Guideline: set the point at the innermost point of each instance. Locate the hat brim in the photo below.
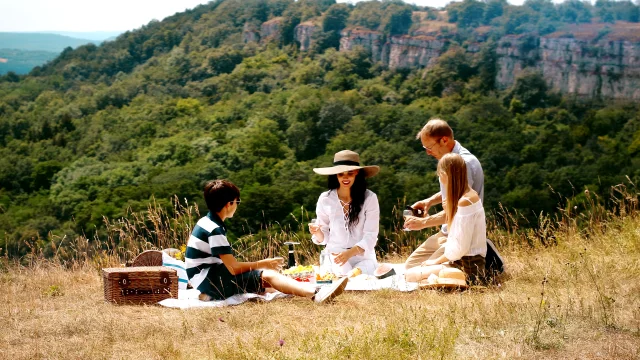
(371, 170)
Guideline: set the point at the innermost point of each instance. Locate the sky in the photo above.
(113, 15)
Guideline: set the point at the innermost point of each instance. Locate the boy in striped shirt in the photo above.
(215, 272)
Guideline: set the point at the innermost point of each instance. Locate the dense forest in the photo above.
(162, 109)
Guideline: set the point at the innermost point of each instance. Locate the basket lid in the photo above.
(138, 269)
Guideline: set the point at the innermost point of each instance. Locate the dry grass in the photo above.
(578, 297)
(589, 307)
(620, 31)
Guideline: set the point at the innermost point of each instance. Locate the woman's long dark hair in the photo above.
(358, 190)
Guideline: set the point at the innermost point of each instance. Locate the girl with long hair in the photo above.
(348, 215)
(466, 245)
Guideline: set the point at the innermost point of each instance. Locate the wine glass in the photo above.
(405, 214)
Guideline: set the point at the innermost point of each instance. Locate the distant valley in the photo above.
(21, 52)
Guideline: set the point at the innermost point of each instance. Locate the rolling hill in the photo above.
(39, 41)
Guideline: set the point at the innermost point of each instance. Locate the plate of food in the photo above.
(300, 273)
(325, 277)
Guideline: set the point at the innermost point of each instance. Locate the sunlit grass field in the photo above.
(577, 297)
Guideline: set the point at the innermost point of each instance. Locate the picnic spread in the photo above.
(156, 275)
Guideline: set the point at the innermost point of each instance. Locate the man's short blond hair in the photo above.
(436, 128)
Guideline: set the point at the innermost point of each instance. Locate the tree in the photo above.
(471, 13)
(493, 9)
(575, 11)
(530, 89)
(335, 18)
(397, 20)
(487, 66)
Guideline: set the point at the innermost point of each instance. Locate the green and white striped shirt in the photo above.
(207, 242)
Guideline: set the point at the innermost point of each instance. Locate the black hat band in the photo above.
(346, 162)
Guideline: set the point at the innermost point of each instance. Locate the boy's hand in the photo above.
(272, 263)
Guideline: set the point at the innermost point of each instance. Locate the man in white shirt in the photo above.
(437, 139)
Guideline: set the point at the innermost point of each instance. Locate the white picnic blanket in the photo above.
(188, 299)
(369, 283)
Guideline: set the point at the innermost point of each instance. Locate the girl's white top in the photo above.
(468, 233)
(333, 223)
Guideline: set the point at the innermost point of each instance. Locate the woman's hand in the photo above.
(430, 262)
(343, 257)
(275, 263)
(314, 229)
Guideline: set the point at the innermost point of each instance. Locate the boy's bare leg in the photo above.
(287, 285)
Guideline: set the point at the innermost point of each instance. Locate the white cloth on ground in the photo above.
(188, 299)
(397, 282)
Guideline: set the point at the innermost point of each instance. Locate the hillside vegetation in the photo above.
(579, 299)
(102, 131)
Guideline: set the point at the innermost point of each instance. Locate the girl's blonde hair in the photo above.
(454, 167)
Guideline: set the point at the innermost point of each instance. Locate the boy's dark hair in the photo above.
(218, 193)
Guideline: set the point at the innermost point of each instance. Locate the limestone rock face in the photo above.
(596, 64)
(414, 51)
(250, 34)
(372, 41)
(603, 68)
(398, 51)
(270, 30)
(304, 34)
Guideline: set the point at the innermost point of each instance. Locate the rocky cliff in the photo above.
(397, 51)
(372, 41)
(250, 33)
(591, 68)
(414, 51)
(304, 34)
(270, 30)
(593, 60)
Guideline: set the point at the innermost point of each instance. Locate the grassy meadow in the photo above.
(571, 291)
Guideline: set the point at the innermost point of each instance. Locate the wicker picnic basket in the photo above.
(148, 258)
(139, 285)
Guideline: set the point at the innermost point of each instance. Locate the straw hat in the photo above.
(347, 160)
(448, 278)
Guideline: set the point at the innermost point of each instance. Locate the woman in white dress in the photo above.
(466, 245)
(348, 215)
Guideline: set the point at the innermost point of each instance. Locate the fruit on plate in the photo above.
(300, 269)
(299, 273)
(325, 276)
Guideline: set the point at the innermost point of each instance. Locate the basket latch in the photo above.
(165, 280)
(124, 280)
